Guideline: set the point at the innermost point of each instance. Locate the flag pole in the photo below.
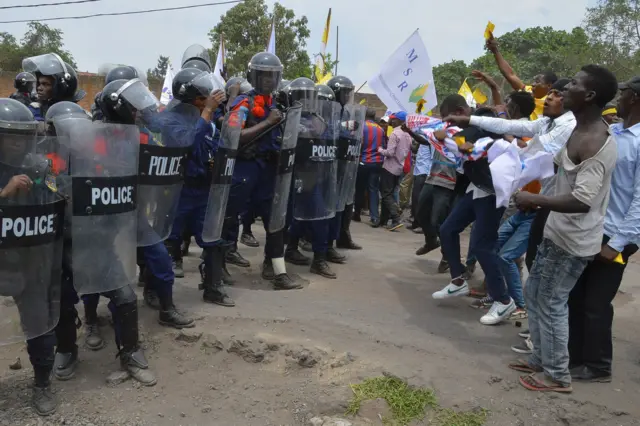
(337, 47)
(361, 86)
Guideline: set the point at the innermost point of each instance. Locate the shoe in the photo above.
(525, 348)
(375, 224)
(136, 365)
(249, 240)
(174, 318)
(93, 340)
(235, 258)
(443, 267)
(484, 303)
(321, 267)
(518, 314)
(218, 296)
(227, 279)
(295, 257)
(348, 245)
(65, 364)
(395, 225)
(586, 374)
(334, 256)
(417, 230)
(306, 246)
(267, 270)
(356, 218)
(427, 248)
(525, 334)
(452, 290)
(499, 312)
(43, 400)
(177, 269)
(284, 282)
(151, 299)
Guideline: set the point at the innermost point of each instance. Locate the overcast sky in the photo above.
(369, 30)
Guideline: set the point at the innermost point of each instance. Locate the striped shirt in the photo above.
(372, 139)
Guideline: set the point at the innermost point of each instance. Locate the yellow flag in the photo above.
(478, 96)
(465, 92)
(325, 78)
(363, 101)
(459, 140)
(488, 32)
(320, 65)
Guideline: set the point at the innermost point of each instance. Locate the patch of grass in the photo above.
(408, 403)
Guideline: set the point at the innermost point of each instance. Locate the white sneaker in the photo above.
(452, 290)
(498, 313)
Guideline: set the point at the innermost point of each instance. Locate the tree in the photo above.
(448, 77)
(38, 40)
(160, 70)
(329, 65)
(246, 29)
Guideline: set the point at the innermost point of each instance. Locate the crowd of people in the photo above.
(120, 192)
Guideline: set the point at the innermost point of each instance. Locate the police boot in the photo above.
(306, 245)
(294, 256)
(43, 400)
(66, 360)
(321, 267)
(93, 339)
(132, 357)
(334, 256)
(227, 279)
(176, 257)
(249, 240)
(214, 291)
(170, 316)
(235, 258)
(151, 297)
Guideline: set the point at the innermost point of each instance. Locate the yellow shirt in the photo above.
(537, 113)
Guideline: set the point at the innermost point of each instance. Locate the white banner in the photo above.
(406, 77)
(167, 93)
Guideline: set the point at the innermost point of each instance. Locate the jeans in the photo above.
(388, 184)
(368, 179)
(591, 312)
(418, 183)
(513, 237)
(483, 243)
(553, 276)
(434, 206)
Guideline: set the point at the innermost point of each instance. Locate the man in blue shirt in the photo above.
(590, 302)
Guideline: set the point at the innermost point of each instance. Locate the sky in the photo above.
(370, 30)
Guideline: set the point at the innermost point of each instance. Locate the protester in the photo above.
(370, 168)
(394, 157)
(590, 301)
(610, 114)
(573, 233)
(421, 171)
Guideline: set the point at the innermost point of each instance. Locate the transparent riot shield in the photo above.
(196, 51)
(31, 225)
(315, 194)
(165, 141)
(103, 166)
(222, 172)
(352, 121)
(282, 189)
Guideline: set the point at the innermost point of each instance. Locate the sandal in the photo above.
(477, 294)
(523, 366)
(532, 383)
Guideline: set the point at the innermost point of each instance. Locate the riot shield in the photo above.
(315, 171)
(352, 121)
(164, 146)
(221, 175)
(31, 225)
(196, 51)
(290, 128)
(103, 166)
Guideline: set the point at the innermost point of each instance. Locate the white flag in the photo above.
(220, 59)
(271, 47)
(406, 78)
(167, 93)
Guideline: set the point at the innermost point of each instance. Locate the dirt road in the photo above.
(281, 358)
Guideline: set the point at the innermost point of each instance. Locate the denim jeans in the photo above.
(434, 205)
(368, 180)
(513, 237)
(483, 243)
(553, 276)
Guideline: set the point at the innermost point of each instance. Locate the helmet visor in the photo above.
(196, 51)
(48, 64)
(138, 95)
(308, 97)
(15, 147)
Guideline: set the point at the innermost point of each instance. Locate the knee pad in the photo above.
(122, 296)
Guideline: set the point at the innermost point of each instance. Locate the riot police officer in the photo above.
(343, 88)
(256, 166)
(25, 88)
(114, 72)
(197, 56)
(193, 91)
(30, 265)
(56, 81)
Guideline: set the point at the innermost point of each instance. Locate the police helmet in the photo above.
(62, 110)
(245, 87)
(325, 93)
(18, 130)
(65, 79)
(305, 92)
(191, 83)
(196, 53)
(282, 97)
(265, 73)
(122, 99)
(198, 64)
(343, 89)
(283, 84)
(25, 82)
